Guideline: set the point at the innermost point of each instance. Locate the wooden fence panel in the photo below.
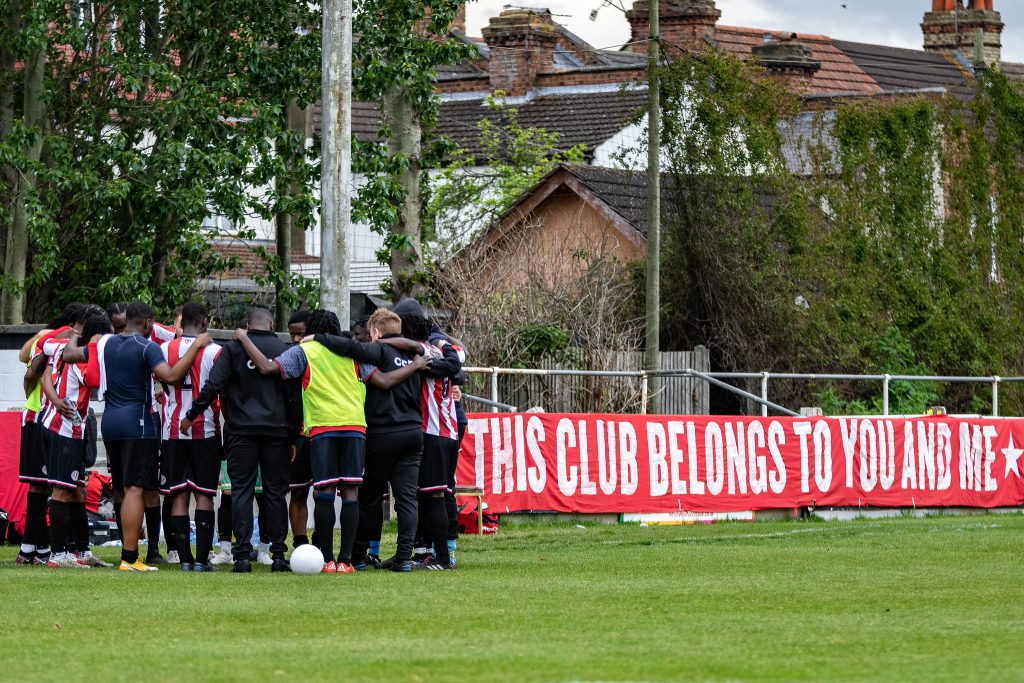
(578, 393)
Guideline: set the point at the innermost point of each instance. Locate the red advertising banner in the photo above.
(639, 463)
(12, 493)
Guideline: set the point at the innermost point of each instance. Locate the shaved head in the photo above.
(260, 318)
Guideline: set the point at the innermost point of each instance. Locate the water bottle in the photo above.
(76, 419)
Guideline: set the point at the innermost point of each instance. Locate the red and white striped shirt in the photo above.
(69, 383)
(178, 399)
(437, 404)
(161, 334)
(28, 415)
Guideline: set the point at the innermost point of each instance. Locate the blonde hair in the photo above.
(387, 322)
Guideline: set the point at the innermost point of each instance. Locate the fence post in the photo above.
(494, 389)
(885, 394)
(995, 396)
(643, 393)
(764, 393)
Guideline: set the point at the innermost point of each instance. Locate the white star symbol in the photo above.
(1011, 454)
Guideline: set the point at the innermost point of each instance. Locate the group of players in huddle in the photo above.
(350, 414)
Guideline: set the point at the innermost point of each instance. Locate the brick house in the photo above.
(590, 96)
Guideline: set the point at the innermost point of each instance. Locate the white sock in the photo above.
(27, 548)
(265, 548)
(225, 547)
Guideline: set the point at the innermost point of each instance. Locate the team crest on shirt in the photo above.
(44, 469)
(74, 476)
(163, 479)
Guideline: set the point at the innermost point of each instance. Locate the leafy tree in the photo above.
(157, 116)
(400, 44)
(899, 248)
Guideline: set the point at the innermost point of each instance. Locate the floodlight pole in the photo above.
(652, 325)
(336, 156)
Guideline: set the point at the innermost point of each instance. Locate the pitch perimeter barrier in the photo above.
(717, 378)
(604, 463)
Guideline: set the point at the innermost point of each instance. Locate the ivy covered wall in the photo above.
(897, 248)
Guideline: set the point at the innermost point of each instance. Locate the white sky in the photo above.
(884, 22)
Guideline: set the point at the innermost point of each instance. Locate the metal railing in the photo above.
(764, 377)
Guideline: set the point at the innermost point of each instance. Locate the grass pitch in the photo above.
(934, 599)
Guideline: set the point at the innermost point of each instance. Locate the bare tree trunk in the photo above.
(12, 307)
(10, 28)
(406, 134)
(164, 231)
(295, 119)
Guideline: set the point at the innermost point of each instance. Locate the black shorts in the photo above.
(438, 453)
(32, 464)
(300, 471)
(133, 462)
(190, 463)
(337, 461)
(65, 460)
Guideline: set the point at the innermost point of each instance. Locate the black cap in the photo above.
(409, 306)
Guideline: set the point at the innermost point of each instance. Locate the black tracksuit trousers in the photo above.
(246, 452)
(390, 457)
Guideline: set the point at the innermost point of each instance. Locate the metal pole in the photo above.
(885, 394)
(653, 299)
(336, 156)
(764, 394)
(643, 393)
(494, 388)
(995, 396)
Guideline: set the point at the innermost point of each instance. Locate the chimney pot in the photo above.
(950, 28)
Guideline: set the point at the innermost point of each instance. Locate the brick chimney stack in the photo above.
(685, 23)
(522, 45)
(459, 22)
(789, 62)
(953, 27)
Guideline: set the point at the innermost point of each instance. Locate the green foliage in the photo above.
(160, 116)
(475, 188)
(861, 264)
(733, 213)
(400, 45)
(895, 356)
(534, 342)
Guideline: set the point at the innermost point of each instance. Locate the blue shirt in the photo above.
(126, 382)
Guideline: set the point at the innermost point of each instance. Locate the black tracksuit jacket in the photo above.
(252, 403)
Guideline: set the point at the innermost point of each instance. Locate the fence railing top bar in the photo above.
(553, 372)
(744, 375)
(951, 378)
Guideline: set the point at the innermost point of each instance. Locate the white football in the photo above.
(306, 559)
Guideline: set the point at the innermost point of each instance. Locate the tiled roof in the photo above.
(1014, 71)
(838, 73)
(581, 118)
(625, 192)
(895, 68)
